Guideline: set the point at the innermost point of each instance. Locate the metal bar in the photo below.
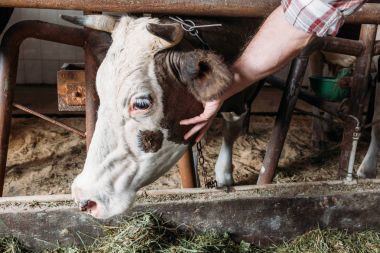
(9, 52)
(54, 122)
(92, 99)
(186, 168)
(358, 92)
(17, 33)
(342, 46)
(369, 13)
(335, 45)
(8, 73)
(280, 130)
(239, 8)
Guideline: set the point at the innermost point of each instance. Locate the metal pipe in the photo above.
(342, 46)
(54, 122)
(237, 8)
(92, 99)
(186, 168)
(368, 14)
(9, 52)
(335, 45)
(8, 73)
(20, 31)
(280, 130)
(355, 139)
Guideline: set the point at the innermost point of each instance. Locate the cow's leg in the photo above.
(368, 167)
(232, 126)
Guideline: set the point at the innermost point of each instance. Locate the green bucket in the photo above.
(328, 87)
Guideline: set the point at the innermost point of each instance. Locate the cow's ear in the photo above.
(204, 73)
(171, 33)
(98, 22)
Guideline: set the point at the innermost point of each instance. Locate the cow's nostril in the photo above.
(87, 205)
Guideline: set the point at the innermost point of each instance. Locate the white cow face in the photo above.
(144, 91)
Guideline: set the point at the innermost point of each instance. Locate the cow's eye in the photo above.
(142, 103)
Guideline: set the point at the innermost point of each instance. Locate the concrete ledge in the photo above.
(258, 214)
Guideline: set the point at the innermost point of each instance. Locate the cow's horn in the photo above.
(98, 22)
(172, 33)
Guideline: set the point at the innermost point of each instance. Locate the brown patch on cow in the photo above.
(150, 141)
(178, 102)
(204, 73)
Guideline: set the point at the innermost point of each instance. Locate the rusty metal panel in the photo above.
(71, 87)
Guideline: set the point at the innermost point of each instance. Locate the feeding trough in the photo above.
(258, 214)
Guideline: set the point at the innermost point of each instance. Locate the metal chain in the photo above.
(209, 182)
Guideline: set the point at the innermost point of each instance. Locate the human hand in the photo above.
(203, 121)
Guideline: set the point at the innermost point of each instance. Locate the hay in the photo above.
(10, 244)
(149, 233)
(331, 241)
(145, 232)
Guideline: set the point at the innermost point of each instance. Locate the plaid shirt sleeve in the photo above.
(321, 17)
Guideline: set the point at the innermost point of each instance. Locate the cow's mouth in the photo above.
(87, 206)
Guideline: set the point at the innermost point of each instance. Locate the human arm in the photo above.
(282, 36)
(275, 44)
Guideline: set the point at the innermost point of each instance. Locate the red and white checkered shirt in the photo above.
(321, 17)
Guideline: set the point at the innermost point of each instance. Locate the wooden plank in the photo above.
(259, 214)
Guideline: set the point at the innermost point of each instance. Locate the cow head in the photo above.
(146, 86)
